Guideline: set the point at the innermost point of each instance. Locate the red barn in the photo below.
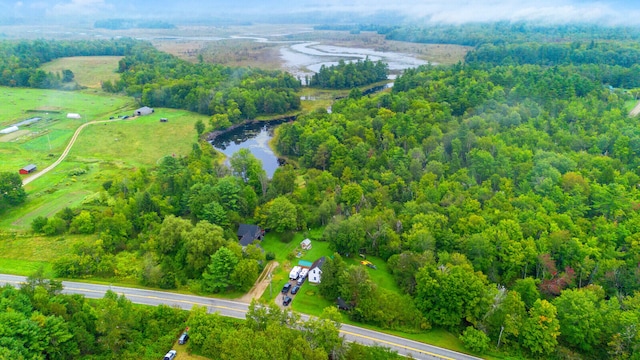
(28, 169)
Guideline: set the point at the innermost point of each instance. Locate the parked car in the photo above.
(286, 301)
(295, 289)
(301, 281)
(171, 355)
(285, 288)
(183, 338)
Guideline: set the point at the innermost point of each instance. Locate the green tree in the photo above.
(11, 191)
(541, 329)
(279, 215)
(332, 271)
(217, 277)
(201, 242)
(448, 294)
(475, 340)
(245, 274)
(199, 127)
(581, 322)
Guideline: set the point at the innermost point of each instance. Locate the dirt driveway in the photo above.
(261, 284)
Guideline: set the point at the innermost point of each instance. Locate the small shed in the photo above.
(73, 116)
(145, 110)
(305, 244)
(9, 130)
(28, 169)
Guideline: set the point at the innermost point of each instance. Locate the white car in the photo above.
(171, 355)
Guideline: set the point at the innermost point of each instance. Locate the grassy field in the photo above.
(102, 151)
(23, 254)
(89, 71)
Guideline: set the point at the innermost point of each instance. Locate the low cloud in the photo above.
(80, 8)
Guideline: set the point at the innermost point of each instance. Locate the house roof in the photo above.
(305, 241)
(247, 233)
(29, 167)
(318, 263)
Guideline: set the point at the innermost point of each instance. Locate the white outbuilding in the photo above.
(306, 244)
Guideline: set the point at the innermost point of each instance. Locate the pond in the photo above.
(255, 137)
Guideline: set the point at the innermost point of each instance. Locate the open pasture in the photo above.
(89, 71)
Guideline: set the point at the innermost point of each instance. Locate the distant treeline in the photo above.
(356, 28)
(507, 32)
(347, 75)
(234, 94)
(613, 63)
(123, 24)
(20, 60)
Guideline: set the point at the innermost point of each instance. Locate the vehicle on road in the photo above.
(171, 355)
(295, 290)
(183, 338)
(285, 288)
(286, 300)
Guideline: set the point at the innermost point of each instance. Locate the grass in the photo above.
(630, 104)
(104, 152)
(89, 71)
(22, 254)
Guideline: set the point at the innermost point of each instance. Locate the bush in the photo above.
(55, 226)
(270, 256)
(38, 224)
(475, 340)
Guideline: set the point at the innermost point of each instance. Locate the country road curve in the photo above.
(64, 154)
(238, 310)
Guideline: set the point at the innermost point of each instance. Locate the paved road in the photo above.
(36, 175)
(238, 310)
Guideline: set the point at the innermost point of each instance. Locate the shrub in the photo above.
(475, 340)
(38, 224)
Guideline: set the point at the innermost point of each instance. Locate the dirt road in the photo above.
(261, 284)
(38, 174)
(635, 111)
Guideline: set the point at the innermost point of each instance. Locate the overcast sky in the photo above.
(442, 11)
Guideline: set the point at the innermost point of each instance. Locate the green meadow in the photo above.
(88, 71)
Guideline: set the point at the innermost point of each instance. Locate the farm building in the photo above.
(28, 169)
(145, 110)
(306, 244)
(73, 116)
(248, 233)
(315, 273)
(9, 130)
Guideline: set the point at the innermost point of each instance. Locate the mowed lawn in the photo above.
(89, 71)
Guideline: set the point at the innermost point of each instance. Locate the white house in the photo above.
(315, 273)
(306, 244)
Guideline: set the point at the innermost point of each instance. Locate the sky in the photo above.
(439, 11)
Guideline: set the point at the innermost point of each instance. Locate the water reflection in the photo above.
(255, 138)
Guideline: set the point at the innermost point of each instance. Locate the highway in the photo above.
(238, 310)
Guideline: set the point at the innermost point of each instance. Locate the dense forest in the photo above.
(231, 94)
(348, 75)
(37, 321)
(502, 192)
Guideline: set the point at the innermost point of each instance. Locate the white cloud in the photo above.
(79, 8)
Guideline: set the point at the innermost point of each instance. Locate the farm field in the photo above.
(51, 134)
(89, 71)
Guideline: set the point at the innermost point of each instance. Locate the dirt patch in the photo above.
(261, 284)
(14, 135)
(635, 111)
